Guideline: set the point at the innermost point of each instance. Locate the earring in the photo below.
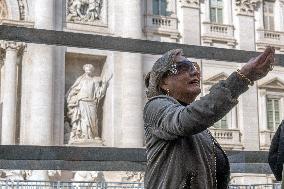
(168, 92)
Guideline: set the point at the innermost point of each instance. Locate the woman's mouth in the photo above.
(194, 82)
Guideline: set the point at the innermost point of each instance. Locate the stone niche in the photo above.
(73, 70)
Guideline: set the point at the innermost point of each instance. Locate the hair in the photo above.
(90, 66)
(159, 72)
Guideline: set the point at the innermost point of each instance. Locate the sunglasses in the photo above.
(182, 67)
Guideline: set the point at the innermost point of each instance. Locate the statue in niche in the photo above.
(82, 106)
(21, 9)
(84, 10)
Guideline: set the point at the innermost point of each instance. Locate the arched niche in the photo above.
(14, 11)
(3, 10)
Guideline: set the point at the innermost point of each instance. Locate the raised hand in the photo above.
(258, 67)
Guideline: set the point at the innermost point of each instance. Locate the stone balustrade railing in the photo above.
(162, 22)
(164, 25)
(228, 138)
(218, 32)
(267, 37)
(265, 139)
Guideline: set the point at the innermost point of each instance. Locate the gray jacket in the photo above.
(180, 151)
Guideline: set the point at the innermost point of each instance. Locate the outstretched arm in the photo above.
(165, 118)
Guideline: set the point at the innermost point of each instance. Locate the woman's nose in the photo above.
(195, 72)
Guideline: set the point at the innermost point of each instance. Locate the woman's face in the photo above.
(184, 85)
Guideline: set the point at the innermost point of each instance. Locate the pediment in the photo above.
(216, 78)
(274, 83)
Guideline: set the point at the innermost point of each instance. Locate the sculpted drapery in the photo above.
(84, 10)
(82, 103)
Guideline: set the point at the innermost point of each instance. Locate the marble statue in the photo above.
(133, 177)
(13, 175)
(94, 10)
(84, 10)
(82, 106)
(21, 9)
(74, 10)
(84, 176)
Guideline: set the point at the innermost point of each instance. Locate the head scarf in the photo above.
(160, 67)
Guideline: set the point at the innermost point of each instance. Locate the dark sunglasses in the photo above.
(183, 66)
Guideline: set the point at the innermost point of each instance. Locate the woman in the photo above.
(181, 152)
(276, 153)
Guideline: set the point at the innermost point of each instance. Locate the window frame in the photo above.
(267, 15)
(160, 11)
(274, 123)
(217, 5)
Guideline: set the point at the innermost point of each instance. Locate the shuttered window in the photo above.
(268, 16)
(216, 11)
(160, 7)
(273, 113)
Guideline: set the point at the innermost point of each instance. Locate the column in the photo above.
(262, 109)
(132, 79)
(249, 123)
(234, 118)
(228, 12)
(39, 126)
(245, 17)
(279, 15)
(40, 131)
(189, 27)
(10, 94)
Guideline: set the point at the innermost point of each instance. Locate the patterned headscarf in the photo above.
(160, 67)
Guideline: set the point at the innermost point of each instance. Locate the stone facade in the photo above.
(35, 78)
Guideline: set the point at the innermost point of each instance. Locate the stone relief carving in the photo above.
(21, 9)
(87, 176)
(190, 3)
(82, 106)
(84, 11)
(13, 175)
(133, 177)
(246, 6)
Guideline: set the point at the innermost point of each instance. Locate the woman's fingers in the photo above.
(261, 58)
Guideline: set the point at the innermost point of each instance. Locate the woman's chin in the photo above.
(194, 91)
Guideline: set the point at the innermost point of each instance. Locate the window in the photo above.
(221, 124)
(216, 11)
(160, 7)
(273, 113)
(268, 15)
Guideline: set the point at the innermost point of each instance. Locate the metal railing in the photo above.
(256, 186)
(69, 185)
(104, 185)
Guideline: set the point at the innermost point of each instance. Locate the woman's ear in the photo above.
(164, 84)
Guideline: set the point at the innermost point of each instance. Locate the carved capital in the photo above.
(246, 7)
(11, 45)
(189, 3)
